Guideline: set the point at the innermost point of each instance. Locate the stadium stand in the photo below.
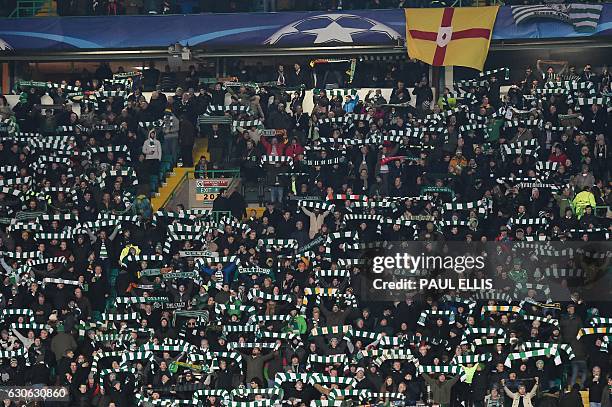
(117, 289)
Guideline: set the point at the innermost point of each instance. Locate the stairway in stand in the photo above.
(174, 178)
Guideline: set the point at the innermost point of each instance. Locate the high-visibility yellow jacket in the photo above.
(581, 201)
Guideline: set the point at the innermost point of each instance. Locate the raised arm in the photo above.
(534, 389)
(269, 356)
(306, 211)
(19, 336)
(322, 389)
(324, 310)
(264, 142)
(428, 379)
(5, 266)
(91, 234)
(454, 380)
(507, 390)
(115, 231)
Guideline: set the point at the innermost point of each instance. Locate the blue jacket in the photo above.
(350, 106)
(228, 271)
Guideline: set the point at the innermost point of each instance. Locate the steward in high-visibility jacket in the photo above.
(582, 200)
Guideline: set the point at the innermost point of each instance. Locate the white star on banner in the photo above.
(334, 32)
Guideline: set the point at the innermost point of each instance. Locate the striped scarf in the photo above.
(342, 273)
(545, 320)
(491, 295)
(323, 206)
(32, 326)
(491, 341)
(396, 354)
(9, 354)
(472, 359)
(103, 250)
(254, 270)
(276, 159)
(330, 330)
(256, 293)
(605, 330)
(257, 319)
(453, 370)
(130, 316)
(565, 347)
(328, 161)
(429, 313)
(250, 345)
(533, 353)
(341, 359)
(60, 281)
(279, 243)
(500, 308)
(219, 109)
(240, 328)
(482, 332)
(232, 308)
(595, 321)
(246, 123)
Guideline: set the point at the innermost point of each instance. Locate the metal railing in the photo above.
(229, 173)
(29, 8)
(172, 194)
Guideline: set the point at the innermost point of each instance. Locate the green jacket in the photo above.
(299, 324)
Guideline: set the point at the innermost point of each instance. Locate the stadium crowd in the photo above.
(127, 306)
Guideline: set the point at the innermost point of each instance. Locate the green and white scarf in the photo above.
(472, 359)
(327, 360)
(126, 317)
(429, 313)
(565, 347)
(331, 330)
(257, 319)
(533, 353)
(139, 300)
(256, 293)
(545, 320)
(60, 281)
(482, 332)
(396, 354)
(453, 370)
(595, 321)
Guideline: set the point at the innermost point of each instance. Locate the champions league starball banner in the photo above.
(256, 30)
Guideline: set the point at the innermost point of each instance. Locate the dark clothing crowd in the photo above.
(127, 305)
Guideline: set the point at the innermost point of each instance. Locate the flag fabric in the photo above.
(549, 11)
(584, 17)
(450, 36)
